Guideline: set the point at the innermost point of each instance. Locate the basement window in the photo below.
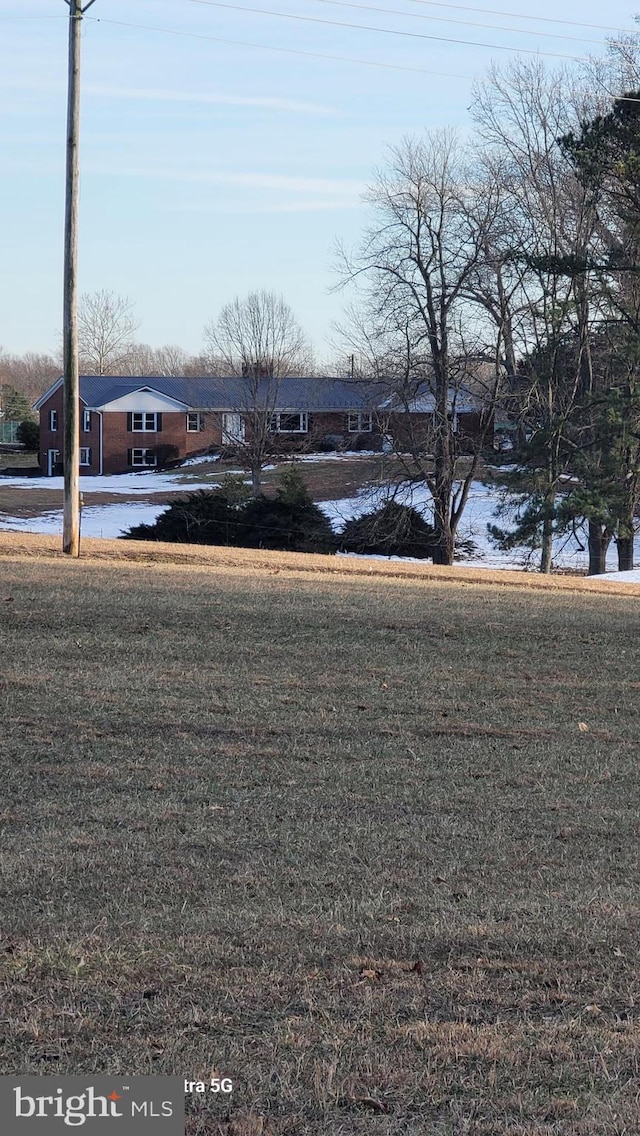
(85, 455)
(143, 458)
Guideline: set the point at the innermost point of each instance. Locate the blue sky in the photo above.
(211, 168)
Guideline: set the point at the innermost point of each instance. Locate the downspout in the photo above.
(101, 439)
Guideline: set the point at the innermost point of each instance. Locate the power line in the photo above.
(281, 50)
(454, 20)
(311, 54)
(304, 54)
(383, 31)
(515, 15)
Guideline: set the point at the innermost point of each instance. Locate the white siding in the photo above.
(150, 401)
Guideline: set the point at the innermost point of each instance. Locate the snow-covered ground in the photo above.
(570, 551)
(113, 520)
(144, 482)
(104, 520)
(621, 577)
(97, 520)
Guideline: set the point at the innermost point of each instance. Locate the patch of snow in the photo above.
(631, 577)
(337, 455)
(570, 551)
(200, 460)
(96, 520)
(145, 482)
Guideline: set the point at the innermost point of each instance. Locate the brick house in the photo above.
(129, 423)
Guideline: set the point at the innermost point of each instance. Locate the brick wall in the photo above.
(174, 441)
(470, 428)
(54, 439)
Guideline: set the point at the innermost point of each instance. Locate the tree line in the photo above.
(258, 326)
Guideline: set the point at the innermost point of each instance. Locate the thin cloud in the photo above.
(233, 207)
(278, 182)
(264, 102)
(158, 94)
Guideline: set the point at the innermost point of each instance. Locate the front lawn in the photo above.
(367, 847)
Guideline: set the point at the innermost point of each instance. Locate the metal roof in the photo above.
(233, 393)
(423, 400)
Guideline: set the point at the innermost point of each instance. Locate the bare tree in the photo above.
(257, 339)
(258, 334)
(537, 284)
(168, 360)
(416, 264)
(106, 329)
(30, 374)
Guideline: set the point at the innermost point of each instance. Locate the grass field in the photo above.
(366, 845)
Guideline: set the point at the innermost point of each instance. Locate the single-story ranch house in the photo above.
(129, 423)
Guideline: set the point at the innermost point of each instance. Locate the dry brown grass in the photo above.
(339, 837)
(19, 545)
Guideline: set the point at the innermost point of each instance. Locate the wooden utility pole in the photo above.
(71, 448)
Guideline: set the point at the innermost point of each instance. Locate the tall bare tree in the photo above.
(168, 360)
(415, 266)
(539, 285)
(259, 340)
(258, 333)
(106, 330)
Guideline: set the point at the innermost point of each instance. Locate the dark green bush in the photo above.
(290, 527)
(292, 489)
(28, 433)
(392, 530)
(290, 522)
(204, 517)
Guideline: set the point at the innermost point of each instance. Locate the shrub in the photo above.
(204, 517)
(287, 526)
(167, 455)
(28, 433)
(392, 530)
(224, 516)
(234, 487)
(292, 488)
(291, 522)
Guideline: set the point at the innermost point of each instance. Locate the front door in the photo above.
(54, 465)
(232, 429)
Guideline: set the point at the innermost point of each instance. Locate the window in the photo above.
(86, 421)
(142, 457)
(195, 422)
(53, 419)
(85, 455)
(290, 423)
(359, 422)
(142, 422)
